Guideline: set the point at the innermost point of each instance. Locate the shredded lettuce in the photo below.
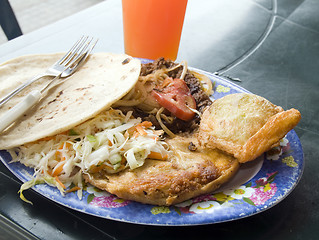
(39, 180)
(110, 142)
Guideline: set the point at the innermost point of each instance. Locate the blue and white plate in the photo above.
(257, 186)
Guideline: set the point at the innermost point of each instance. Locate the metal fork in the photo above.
(61, 67)
(72, 61)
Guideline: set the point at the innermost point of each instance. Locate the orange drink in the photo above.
(152, 28)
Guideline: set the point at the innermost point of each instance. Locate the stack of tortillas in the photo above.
(102, 80)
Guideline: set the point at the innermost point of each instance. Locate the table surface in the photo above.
(271, 46)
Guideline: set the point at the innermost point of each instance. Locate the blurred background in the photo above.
(34, 14)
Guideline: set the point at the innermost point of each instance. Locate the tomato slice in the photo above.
(176, 98)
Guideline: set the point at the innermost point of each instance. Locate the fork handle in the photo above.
(18, 110)
(19, 89)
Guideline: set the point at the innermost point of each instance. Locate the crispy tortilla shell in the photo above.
(185, 175)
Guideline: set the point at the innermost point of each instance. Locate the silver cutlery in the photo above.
(61, 67)
(66, 66)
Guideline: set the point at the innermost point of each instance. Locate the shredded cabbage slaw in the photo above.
(110, 142)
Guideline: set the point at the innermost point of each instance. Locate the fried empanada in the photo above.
(186, 174)
(245, 125)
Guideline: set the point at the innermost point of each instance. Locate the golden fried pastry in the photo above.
(184, 175)
(245, 125)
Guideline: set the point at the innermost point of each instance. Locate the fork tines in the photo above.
(80, 48)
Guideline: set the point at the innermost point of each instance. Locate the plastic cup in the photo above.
(152, 28)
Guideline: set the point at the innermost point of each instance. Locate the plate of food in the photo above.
(150, 142)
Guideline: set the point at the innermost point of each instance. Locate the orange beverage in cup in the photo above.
(152, 28)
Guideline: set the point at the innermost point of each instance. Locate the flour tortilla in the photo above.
(101, 81)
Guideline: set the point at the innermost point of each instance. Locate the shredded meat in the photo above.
(201, 98)
(160, 63)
